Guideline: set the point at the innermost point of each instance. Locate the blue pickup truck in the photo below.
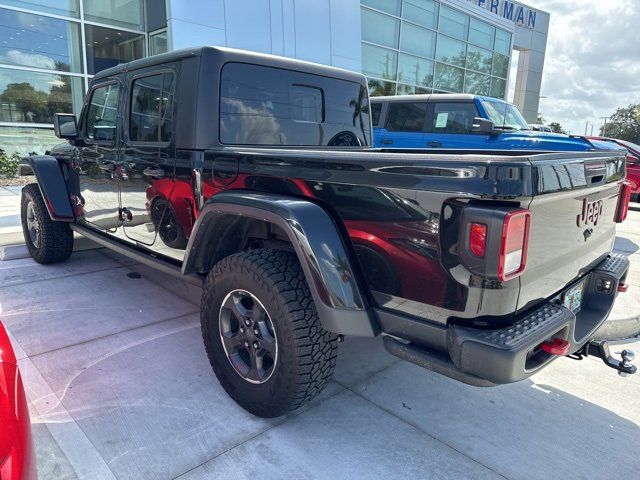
(463, 121)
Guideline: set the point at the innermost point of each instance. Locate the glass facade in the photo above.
(423, 46)
(50, 50)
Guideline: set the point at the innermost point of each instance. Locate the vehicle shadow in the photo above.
(625, 246)
(564, 422)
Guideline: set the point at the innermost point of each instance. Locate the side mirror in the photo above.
(632, 159)
(65, 126)
(482, 125)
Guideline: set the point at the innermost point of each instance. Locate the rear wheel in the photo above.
(48, 241)
(262, 333)
(635, 197)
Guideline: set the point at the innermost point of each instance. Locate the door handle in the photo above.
(153, 172)
(386, 141)
(434, 144)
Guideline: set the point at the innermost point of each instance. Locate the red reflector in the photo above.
(514, 244)
(478, 239)
(557, 346)
(623, 287)
(623, 202)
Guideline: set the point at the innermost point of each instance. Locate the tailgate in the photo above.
(572, 220)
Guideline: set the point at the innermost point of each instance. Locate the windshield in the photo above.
(504, 115)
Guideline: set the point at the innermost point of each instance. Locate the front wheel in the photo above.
(48, 241)
(262, 333)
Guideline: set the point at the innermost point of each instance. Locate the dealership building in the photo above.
(50, 49)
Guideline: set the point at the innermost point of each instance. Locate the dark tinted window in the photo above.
(376, 110)
(406, 117)
(271, 106)
(101, 115)
(151, 108)
(453, 117)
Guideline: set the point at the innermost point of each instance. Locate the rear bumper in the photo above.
(484, 357)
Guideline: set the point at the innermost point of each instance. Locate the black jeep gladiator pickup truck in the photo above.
(252, 175)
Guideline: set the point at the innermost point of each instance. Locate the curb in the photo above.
(17, 251)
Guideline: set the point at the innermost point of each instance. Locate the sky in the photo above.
(592, 64)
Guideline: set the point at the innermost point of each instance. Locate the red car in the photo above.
(17, 459)
(633, 165)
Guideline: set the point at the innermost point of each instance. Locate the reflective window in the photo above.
(481, 34)
(123, 13)
(158, 42)
(376, 110)
(379, 28)
(500, 65)
(33, 97)
(389, 6)
(453, 22)
(417, 40)
(498, 87)
(306, 104)
(451, 51)
(406, 117)
(453, 117)
(27, 140)
(379, 88)
(503, 42)
(102, 114)
(66, 8)
(379, 62)
(264, 106)
(477, 83)
(107, 47)
(448, 78)
(415, 70)
(38, 41)
(479, 59)
(412, 90)
(151, 108)
(422, 12)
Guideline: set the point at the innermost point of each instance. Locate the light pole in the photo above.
(604, 127)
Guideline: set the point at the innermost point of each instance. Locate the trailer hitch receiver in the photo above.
(600, 348)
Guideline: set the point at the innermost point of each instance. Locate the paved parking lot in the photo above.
(120, 387)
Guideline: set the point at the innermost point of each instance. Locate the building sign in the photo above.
(517, 13)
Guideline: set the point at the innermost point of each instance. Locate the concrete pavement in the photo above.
(120, 387)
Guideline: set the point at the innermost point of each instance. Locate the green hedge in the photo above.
(9, 164)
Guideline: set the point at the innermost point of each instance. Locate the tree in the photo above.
(557, 128)
(624, 124)
(30, 102)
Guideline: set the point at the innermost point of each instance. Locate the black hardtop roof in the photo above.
(223, 55)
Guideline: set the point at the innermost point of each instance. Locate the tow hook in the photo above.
(600, 348)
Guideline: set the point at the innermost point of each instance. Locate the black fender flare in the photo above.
(328, 262)
(52, 186)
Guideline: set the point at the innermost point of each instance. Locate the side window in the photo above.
(453, 117)
(271, 106)
(376, 110)
(151, 108)
(406, 117)
(102, 114)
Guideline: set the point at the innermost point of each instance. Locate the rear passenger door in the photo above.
(450, 126)
(404, 126)
(148, 159)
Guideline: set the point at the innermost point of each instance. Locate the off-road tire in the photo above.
(56, 238)
(306, 352)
